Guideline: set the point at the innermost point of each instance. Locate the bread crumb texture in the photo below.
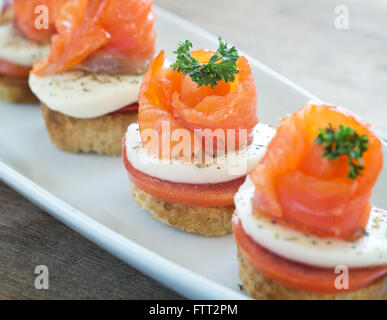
(102, 135)
(16, 90)
(207, 221)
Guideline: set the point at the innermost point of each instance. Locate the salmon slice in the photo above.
(27, 17)
(111, 36)
(295, 186)
(167, 96)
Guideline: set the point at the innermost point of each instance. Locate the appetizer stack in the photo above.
(303, 215)
(181, 109)
(297, 198)
(22, 44)
(89, 83)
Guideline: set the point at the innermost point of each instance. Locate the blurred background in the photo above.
(341, 62)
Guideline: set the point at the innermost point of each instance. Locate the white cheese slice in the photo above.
(81, 94)
(370, 250)
(19, 50)
(221, 169)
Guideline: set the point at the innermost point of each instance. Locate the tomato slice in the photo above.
(205, 195)
(298, 275)
(128, 109)
(14, 70)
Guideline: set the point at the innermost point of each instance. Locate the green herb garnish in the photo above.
(344, 141)
(222, 65)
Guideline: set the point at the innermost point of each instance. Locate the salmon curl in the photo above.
(203, 112)
(298, 187)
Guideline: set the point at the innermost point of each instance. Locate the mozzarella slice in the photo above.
(370, 250)
(221, 169)
(81, 94)
(17, 49)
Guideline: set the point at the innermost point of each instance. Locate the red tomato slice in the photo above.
(13, 70)
(128, 109)
(298, 275)
(205, 195)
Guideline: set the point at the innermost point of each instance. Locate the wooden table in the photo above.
(78, 269)
(297, 39)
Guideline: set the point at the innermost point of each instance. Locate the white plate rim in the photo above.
(172, 275)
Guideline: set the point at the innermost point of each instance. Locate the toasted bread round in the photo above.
(261, 287)
(16, 90)
(102, 135)
(207, 221)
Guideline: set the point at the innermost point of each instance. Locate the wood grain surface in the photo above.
(78, 269)
(295, 38)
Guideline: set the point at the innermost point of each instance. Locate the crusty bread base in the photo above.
(207, 221)
(260, 287)
(16, 90)
(102, 135)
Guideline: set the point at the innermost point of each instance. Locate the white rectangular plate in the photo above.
(91, 193)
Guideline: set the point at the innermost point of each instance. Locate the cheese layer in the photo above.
(370, 250)
(223, 168)
(81, 94)
(19, 50)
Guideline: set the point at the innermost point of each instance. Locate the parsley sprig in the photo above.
(222, 65)
(344, 141)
